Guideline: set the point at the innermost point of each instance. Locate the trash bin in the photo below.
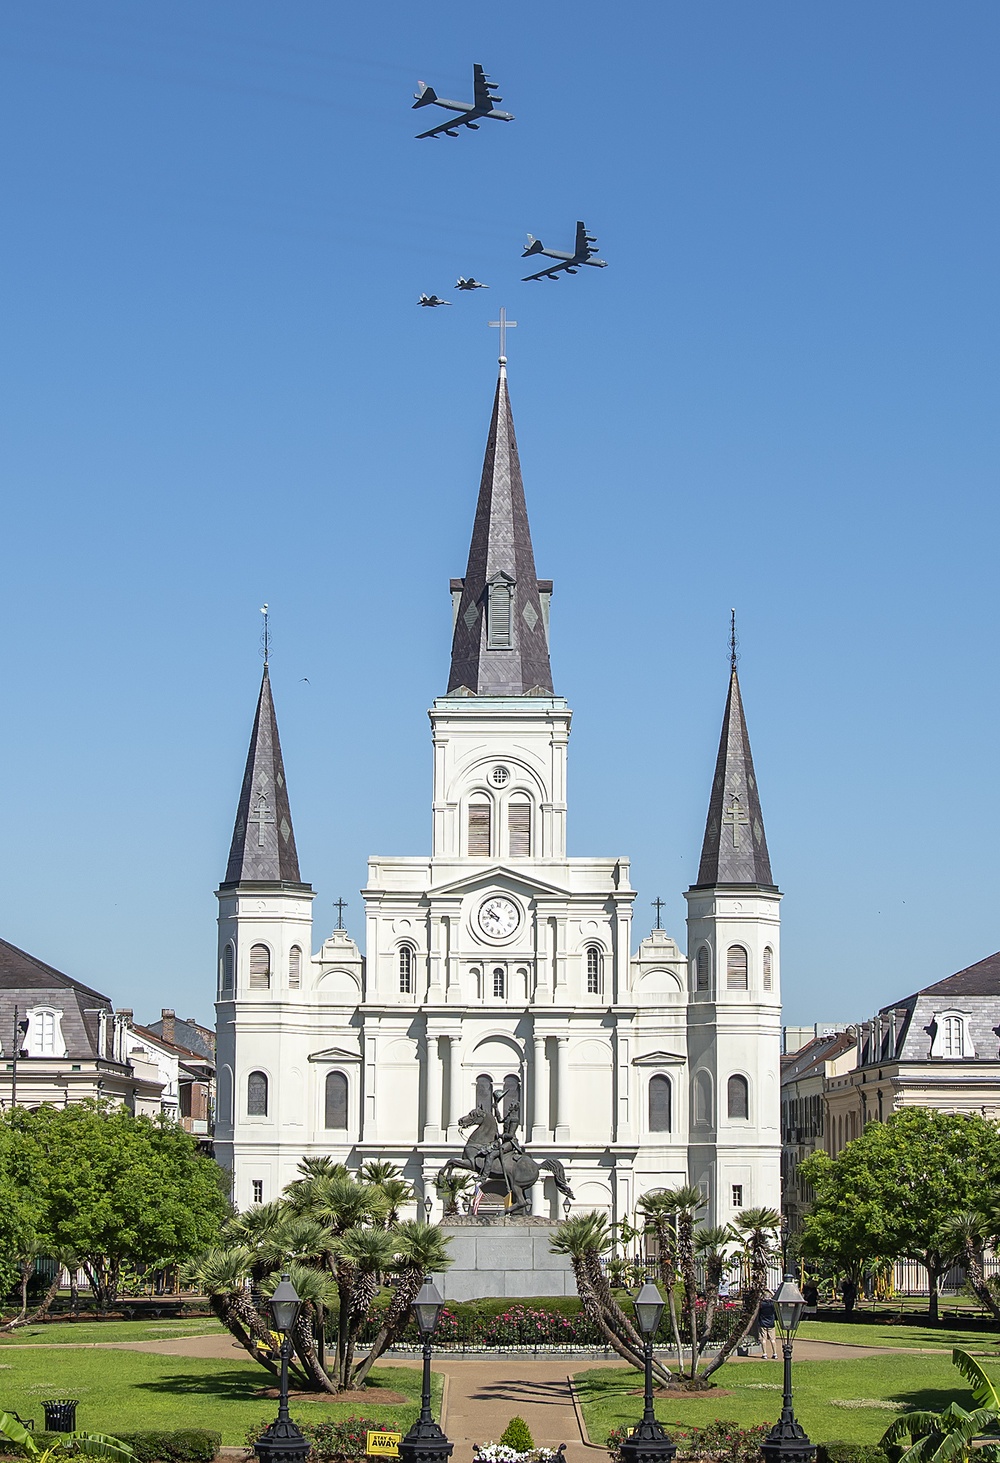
(60, 1415)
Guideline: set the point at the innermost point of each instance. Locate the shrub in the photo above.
(159, 1445)
(850, 1453)
(343, 1441)
(720, 1441)
(517, 1434)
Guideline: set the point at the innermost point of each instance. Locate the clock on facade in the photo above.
(498, 917)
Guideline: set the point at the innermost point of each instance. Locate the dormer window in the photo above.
(950, 1036)
(44, 1038)
(500, 614)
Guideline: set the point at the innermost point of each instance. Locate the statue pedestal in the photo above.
(503, 1257)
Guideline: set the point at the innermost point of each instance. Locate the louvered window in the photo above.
(768, 968)
(260, 968)
(500, 617)
(659, 1104)
(519, 828)
(257, 1095)
(336, 1101)
(294, 968)
(594, 981)
(703, 978)
(736, 968)
(479, 830)
(406, 971)
(738, 1097)
(228, 966)
(499, 982)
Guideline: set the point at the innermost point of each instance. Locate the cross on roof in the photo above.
(503, 325)
(340, 905)
(658, 905)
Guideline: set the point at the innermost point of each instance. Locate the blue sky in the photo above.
(217, 390)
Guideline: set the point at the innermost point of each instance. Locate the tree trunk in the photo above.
(233, 1316)
(973, 1262)
(933, 1278)
(595, 1312)
(304, 1342)
(397, 1314)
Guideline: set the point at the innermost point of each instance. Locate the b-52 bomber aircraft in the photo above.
(432, 301)
(482, 105)
(583, 253)
(471, 284)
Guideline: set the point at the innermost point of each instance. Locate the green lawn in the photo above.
(969, 1335)
(53, 1333)
(126, 1390)
(755, 1396)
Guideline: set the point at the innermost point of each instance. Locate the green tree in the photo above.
(116, 1190)
(894, 1191)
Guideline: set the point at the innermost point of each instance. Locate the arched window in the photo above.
(257, 1095)
(519, 828)
(500, 620)
(294, 968)
(406, 970)
(703, 1100)
(768, 967)
(336, 1101)
(499, 982)
(228, 967)
(511, 1097)
(738, 1097)
(260, 968)
(480, 811)
(952, 1043)
(484, 1093)
(736, 968)
(659, 1104)
(477, 976)
(595, 983)
(703, 976)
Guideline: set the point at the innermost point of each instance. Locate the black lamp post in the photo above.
(648, 1442)
(425, 1442)
(282, 1442)
(787, 1441)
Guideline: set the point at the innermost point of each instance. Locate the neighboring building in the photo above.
(187, 1077)
(938, 1048)
(61, 1042)
(194, 1049)
(496, 960)
(805, 1073)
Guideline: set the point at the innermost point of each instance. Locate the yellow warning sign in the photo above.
(383, 1445)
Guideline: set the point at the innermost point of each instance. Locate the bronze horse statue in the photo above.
(500, 1164)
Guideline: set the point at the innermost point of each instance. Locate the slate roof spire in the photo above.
(263, 847)
(500, 645)
(735, 848)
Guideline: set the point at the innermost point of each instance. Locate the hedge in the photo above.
(152, 1445)
(850, 1453)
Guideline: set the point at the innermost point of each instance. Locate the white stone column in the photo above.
(562, 1089)
(540, 1131)
(448, 1075)
(432, 1118)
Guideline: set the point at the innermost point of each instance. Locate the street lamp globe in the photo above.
(284, 1305)
(649, 1306)
(789, 1303)
(427, 1307)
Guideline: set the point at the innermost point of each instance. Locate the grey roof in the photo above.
(735, 849)
(189, 1035)
(810, 1060)
(26, 982)
(263, 847)
(501, 552)
(981, 979)
(903, 1030)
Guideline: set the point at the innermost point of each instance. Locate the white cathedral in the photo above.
(496, 961)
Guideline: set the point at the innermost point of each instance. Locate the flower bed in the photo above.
(343, 1441)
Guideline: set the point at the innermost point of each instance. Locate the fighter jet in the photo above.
(471, 284)
(482, 105)
(432, 301)
(582, 254)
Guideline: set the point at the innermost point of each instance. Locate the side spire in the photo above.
(735, 848)
(263, 847)
(500, 645)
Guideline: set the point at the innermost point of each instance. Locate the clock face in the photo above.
(498, 917)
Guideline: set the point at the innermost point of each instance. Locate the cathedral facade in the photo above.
(497, 962)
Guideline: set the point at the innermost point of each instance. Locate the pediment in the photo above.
(660, 1059)
(492, 875)
(335, 1054)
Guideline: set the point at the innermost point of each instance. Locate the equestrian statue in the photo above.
(495, 1156)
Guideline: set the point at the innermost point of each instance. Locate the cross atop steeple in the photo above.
(503, 325)
(263, 847)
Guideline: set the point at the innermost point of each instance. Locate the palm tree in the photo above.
(398, 1194)
(378, 1171)
(712, 1246)
(966, 1236)
(449, 1187)
(368, 1253)
(316, 1292)
(584, 1238)
(224, 1276)
(756, 1230)
(420, 1250)
(660, 1215)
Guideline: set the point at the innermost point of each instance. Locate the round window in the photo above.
(499, 777)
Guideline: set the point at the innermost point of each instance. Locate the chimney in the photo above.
(167, 1023)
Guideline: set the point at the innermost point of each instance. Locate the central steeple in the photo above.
(500, 645)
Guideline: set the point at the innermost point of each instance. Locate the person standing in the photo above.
(765, 1329)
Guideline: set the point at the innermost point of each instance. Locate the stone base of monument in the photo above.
(503, 1257)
